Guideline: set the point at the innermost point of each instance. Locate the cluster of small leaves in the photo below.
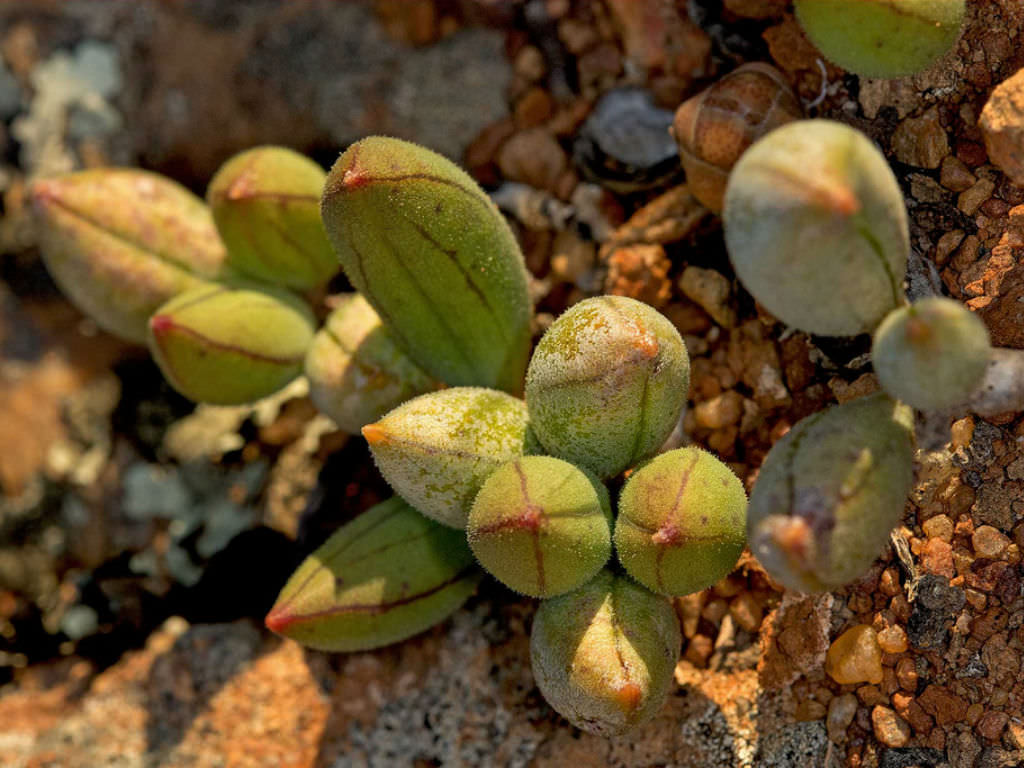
(817, 231)
(605, 387)
(524, 480)
(428, 360)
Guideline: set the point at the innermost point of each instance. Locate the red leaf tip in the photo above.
(160, 324)
(354, 178)
(279, 619)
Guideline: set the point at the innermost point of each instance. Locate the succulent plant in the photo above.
(230, 346)
(816, 228)
(604, 655)
(882, 38)
(830, 491)
(120, 242)
(541, 526)
(356, 371)
(430, 251)
(682, 522)
(387, 575)
(932, 354)
(266, 204)
(607, 384)
(717, 125)
(437, 449)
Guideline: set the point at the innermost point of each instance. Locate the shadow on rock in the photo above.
(184, 679)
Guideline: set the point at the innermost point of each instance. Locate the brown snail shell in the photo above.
(714, 127)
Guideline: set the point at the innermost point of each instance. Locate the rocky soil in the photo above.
(143, 538)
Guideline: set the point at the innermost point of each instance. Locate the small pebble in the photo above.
(954, 175)
(640, 272)
(1002, 126)
(970, 200)
(889, 582)
(944, 706)
(529, 63)
(721, 411)
(890, 729)
(893, 639)
(989, 542)
(698, 650)
(937, 557)
(854, 657)
(961, 432)
(947, 244)
(746, 611)
(1015, 733)
(871, 696)
(534, 157)
(572, 257)
(710, 289)
(715, 610)
(921, 141)
(809, 709)
(977, 599)
(991, 724)
(840, 714)
(688, 608)
(906, 673)
(938, 527)
(974, 713)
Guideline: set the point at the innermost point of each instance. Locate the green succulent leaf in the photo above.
(541, 526)
(882, 38)
(816, 228)
(120, 242)
(604, 655)
(931, 355)
(607, 384)
(682, 522)
(230, 346)
(356, 371)
(266, 204)
(830, 491)
(432, 254)
(385, 576)
(438, 449)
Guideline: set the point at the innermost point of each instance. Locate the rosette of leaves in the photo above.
(515, 484)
